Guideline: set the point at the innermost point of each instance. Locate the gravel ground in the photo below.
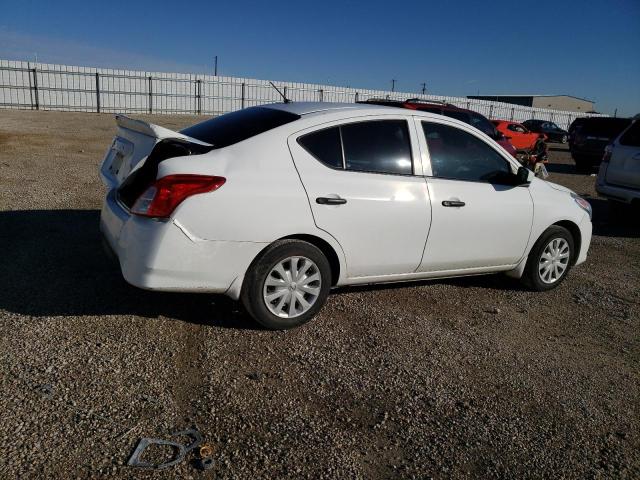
(450, 379)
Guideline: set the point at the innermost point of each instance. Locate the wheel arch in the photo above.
(574, 230)
(325, 247)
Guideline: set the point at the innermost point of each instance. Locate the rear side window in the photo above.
(377, 146)
(631, 138)
(237, 126)
(325, 146)
(458, 155)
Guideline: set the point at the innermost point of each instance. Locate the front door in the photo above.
(479, 220)
(360, 182)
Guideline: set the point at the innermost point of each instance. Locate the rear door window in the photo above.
(325, 146)
(237, 126)
(381, 146)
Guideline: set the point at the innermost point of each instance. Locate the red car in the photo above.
(468, 116)
(521, 138)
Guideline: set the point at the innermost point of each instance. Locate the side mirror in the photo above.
(523, 176)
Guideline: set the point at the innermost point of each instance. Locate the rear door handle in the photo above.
(453, 203)
(331, 201)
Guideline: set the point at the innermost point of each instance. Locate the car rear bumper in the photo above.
(161, 255)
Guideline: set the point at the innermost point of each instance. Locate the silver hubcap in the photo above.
(554, 260)
(292, 287)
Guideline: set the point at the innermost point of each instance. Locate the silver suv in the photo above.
(619, 175)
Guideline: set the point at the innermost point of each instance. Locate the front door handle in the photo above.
(453, 203)
(331, 201)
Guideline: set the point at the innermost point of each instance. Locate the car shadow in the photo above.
(54, 264)
(608, 222)
(562, 168)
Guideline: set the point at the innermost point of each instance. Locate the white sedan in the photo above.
(275, 205)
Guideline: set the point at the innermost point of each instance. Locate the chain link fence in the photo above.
(38, 86)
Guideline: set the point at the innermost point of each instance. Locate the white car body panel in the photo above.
(619, 178)
(384, 212)
(384, 233)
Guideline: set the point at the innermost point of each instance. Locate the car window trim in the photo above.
(350, 122)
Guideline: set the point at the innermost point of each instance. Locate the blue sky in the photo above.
(586, 49)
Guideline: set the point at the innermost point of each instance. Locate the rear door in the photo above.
(362, 179)
(624, 165)
(478, 220)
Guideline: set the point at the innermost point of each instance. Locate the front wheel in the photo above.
(287, 284)
(549, 260)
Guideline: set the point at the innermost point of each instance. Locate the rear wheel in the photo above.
(287, 285)
(549, 260)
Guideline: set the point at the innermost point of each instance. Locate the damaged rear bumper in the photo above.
(162, 255)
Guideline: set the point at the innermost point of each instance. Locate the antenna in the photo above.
(286, 100)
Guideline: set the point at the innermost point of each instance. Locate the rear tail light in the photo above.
(162, 198)
(607, 154)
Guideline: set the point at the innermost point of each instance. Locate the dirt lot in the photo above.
(459, 378)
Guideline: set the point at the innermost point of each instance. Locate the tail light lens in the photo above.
(162, 198)
(607, 154)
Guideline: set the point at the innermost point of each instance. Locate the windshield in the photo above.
(237, 126)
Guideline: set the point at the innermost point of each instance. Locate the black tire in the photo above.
(254, 282)
(531, 276)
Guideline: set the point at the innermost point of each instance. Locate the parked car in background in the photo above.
(520, 137)
(553, 132)
(588, 138)
(275, 205)
(619, 174)
(470, 117)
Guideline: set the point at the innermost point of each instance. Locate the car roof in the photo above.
(306, 108)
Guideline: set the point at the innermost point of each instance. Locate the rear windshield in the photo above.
(608, 127)
(237, 126)
(631, 137)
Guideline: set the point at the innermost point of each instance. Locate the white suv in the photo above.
(274, 205)
(619, 174)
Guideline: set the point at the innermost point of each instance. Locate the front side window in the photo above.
(458, 115)
(458, 155)
(377, 146)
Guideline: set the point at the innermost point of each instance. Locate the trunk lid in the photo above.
(133, 144)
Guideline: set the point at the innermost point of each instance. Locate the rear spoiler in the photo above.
(153, 130)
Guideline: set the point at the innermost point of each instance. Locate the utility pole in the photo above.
(215, 66)
(424, 87)
(615, 113)
(393, 84)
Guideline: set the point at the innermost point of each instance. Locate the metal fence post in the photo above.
(356, 98)
(512, 111)
(150, 95)
(199, 96)
(242, 93)
(468, 105)
(321, 94)
(35, 87)
(491, 111)
(97, 92)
